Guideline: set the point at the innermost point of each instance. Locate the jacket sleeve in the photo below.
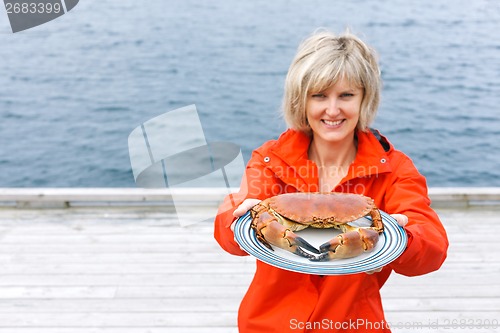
(427, 239)
(258, 183)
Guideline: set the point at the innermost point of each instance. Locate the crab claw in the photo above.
(348, 244)
(302, 242)
(278, 235)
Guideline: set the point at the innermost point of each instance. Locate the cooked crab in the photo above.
(275, 220)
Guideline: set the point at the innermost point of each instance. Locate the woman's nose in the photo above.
(333, 107)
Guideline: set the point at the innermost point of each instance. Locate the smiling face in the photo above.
(333, 114)
(322, 59)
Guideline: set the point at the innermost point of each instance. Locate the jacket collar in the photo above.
(372, 158)
(292, 146)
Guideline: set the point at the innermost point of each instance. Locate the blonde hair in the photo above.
(321, 61)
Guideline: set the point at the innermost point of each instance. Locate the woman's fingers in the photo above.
(374, 271)
(401, 219)
(245, 207)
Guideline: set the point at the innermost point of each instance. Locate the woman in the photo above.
(332, 93)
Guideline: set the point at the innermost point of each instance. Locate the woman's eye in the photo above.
(319, 95)
(346, 95)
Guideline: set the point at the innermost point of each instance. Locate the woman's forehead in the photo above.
(341, 83)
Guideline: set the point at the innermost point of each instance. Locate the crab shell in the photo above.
(320, 210)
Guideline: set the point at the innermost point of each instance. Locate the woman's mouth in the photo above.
(333, 123)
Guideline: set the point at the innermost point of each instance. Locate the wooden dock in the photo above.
(117, 261)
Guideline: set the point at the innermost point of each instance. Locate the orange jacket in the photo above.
(283, 301)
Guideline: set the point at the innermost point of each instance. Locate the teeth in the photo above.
(332, 123)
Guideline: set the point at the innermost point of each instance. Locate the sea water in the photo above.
(73, 89)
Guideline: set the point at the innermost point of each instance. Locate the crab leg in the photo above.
(270, 232)
(348, 244)
(282, 237)
(377, 223)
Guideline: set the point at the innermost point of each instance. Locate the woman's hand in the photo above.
(402, 221)
(245, 206)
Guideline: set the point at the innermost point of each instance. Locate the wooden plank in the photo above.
(207, 291)
(143, 329)
(19, 249)
(465, 196)
(227, 304)
(185, 267)
(189, 256)
(77, 292)
(67, 197)
(109, 279)
(80, 292)
(173, 254)
(120, 305)
(214, 278)
(468, 194)
(118, 268)
(118, 319)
